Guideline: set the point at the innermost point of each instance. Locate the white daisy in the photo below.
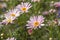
(35, 22)
(24, 7)
(8, 19)
(13, 13)
(10, 16)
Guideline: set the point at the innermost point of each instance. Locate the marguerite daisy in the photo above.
(35, 22)
(7, 20)
(24, 7)
(13, 13)
(10, 16)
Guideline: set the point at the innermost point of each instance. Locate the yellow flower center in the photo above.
(23, 9)
(36, 24)
(12, 14)
(9, 20)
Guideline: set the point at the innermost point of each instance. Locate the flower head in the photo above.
(35, 22)
(13, 13)
(7, 20)
(57, 4)
(24, 7)
(10, 16)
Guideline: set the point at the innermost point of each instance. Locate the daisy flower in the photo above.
(24, 7)
(13, 13)
(35, 22)
(10, 16)
(7, 20)
(57, 4)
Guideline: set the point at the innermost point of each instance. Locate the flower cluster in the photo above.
(11, 15)
(34, 22)
(24, 7)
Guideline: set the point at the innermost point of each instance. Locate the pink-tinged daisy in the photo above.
(57, 4)
(13, 13)
(35, 0)
(7, 20)
(10, 16)
(24, 7)
(35, 22)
